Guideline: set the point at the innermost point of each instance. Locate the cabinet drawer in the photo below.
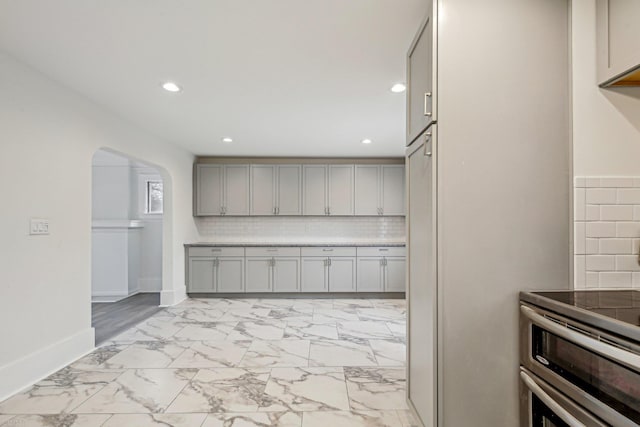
(215, 251)
(327, 251)
(382, 251)
(273, 251)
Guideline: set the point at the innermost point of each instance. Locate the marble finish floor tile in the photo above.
(242, 362)
(258, 330)
(306, 389)
(376, 388)
(57, 420)
(351, 419)
(223, 390)
(151, 420)
(330, 315)
(277, 353)
(364, 329)
(147, 354)
(309, 330)
(341, 353)
(249, 419)
(139, 391)
(98, 357)
(49, 400)
(212, 354)
(389, 352)
(214, 331)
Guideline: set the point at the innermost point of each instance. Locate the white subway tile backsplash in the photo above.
(628, 229)
(280, 229)
(615, 246)
(627, 263)
(615, 279)
(601, 196)
(616, 213)
(601, 229)
(592, 213)
(607, 257)
(629, 196)
(600, 263)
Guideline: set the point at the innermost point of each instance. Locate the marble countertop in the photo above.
(361, 243)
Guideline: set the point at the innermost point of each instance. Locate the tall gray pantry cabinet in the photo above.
(488, 198)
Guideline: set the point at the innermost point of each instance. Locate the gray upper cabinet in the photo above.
(209, 189)
(420, 76)
(298, 189)
(289, 190)
(263, 190)
(314, 178)
(222, 190)
(276, 189)
(367, 190)
(618, 41)
(379, 189)
(341, 188)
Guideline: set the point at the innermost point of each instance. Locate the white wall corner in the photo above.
(172, 297)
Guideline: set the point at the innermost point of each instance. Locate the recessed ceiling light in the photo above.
(366, 141)
(227, 139)
(398, 88)
(171, 87)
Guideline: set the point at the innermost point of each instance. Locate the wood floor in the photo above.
(111, 319)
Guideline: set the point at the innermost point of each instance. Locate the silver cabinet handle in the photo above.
(278, 211)
(327, 250)
(329, 262)
(325, 262)
(427, 145)
(427, 95)
(274, 210)
(616, 354)
(381, 263)
(329, 210)
(216, 250)
(272, 250)
(552, 404)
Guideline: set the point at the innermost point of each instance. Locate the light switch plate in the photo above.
(38, 226)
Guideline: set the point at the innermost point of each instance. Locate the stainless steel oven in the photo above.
(574, 373)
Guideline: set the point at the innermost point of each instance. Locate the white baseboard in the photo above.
(172, 297)
(24, 372)
(414, 413)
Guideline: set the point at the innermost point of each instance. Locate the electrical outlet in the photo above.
(38, 226)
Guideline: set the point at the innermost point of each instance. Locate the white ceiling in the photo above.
(281, 77)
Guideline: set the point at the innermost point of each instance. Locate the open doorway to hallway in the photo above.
(127, 215)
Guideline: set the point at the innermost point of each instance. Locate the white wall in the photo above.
(49, 135)
(606, 159)
(606, 122)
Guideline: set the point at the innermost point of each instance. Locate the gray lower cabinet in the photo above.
(295, 269)
(314, 277)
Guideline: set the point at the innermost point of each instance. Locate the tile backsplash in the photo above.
(301, 229)
(607, 232)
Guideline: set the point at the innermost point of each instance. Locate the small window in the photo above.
(154, 197)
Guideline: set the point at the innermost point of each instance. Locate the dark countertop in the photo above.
(298, 244)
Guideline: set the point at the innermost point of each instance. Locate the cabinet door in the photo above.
(341, 185)
(342, 274)
(314, 191)
(618, 34)
(392, 190)
(394, 275)
(230, 274)
(201, 273)
(236, 190)
(259, 274)
(421, 285)
(420, 81)
(286, 275)
(263, 179)
(314, 274)
(367, 191)
(370, 275)
(289, 194)
(209, 180)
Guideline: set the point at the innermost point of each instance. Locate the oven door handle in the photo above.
(619, 355)
(548, 400)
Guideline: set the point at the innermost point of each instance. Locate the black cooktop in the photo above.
(621, 305)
